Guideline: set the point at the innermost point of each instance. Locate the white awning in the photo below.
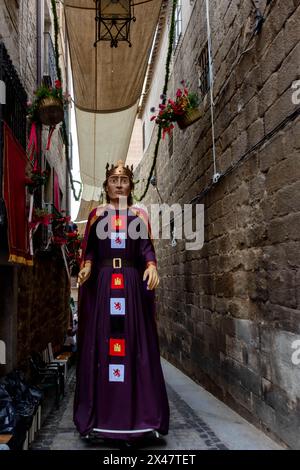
(107, 86)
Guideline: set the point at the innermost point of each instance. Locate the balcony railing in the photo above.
(49, 64)
(15, 109)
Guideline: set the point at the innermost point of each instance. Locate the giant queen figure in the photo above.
(120, 389)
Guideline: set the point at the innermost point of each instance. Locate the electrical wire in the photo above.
(211, 79)
(291, 117)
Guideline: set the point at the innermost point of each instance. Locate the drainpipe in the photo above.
(39, 34)
(39, 64)
(2, 102)
(68, 129)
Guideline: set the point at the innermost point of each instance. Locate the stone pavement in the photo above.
(198, 421)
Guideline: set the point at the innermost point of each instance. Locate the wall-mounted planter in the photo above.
(189, 117)
(51, 111)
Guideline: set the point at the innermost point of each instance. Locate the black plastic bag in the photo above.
(7, 412)
(25, 399)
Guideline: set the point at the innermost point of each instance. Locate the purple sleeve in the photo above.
(91, 245)
(148, 252)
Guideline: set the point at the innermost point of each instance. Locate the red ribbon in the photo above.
(51, 129)
(32, 147)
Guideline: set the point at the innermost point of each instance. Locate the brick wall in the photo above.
(43, 306)
(230, 312)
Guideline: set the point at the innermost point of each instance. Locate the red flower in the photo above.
(172, 111)
(167, 130)
(72, 234)
(46, 219)
(57, 84)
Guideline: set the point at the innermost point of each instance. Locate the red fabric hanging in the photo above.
(32, 146)
(14, 196)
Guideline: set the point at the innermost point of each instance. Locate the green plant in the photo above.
(42, 92)
(165, 89)
(36, 179)
(170, 110)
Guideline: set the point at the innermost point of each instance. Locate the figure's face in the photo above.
(118, 186)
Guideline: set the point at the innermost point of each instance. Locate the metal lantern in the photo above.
(113, 18)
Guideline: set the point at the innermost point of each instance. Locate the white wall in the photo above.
(153, 98)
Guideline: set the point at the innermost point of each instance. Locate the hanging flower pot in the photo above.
(48, 104)
(50, 111)
(183, 110)
(190, 116)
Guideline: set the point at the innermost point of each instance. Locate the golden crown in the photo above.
(119, 169)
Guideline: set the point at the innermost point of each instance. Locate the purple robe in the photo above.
(120, 389)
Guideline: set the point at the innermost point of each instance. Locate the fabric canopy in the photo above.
(108, 79)
(107, 86)
(101, 138)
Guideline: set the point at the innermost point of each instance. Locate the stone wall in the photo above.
(34, 301)
(18, 32)
(230, 312)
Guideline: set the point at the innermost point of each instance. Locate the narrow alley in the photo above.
(149, 226)
(199, 421)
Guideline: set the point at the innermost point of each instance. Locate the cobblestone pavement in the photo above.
(187, 430)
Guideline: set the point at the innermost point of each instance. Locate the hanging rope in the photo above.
(211, 79)
(165, 89)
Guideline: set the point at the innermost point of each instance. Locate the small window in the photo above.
(170, 145)
(203, 71)
(57, 193)
(144, 137)
(178, 24)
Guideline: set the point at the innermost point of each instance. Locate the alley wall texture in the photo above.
(34, 301)
(229, 313)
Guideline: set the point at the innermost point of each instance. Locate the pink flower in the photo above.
(178, 93)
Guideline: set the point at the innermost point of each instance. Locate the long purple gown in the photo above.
(120, 389)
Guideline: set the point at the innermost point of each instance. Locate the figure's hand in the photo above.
(84, 274)
(153, 279)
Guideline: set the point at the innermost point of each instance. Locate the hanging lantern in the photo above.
(113, 18)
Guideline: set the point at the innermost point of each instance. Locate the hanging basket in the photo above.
(51, 111)
(189, 117)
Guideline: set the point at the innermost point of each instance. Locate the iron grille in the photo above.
(15, 109)
(203, 71)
